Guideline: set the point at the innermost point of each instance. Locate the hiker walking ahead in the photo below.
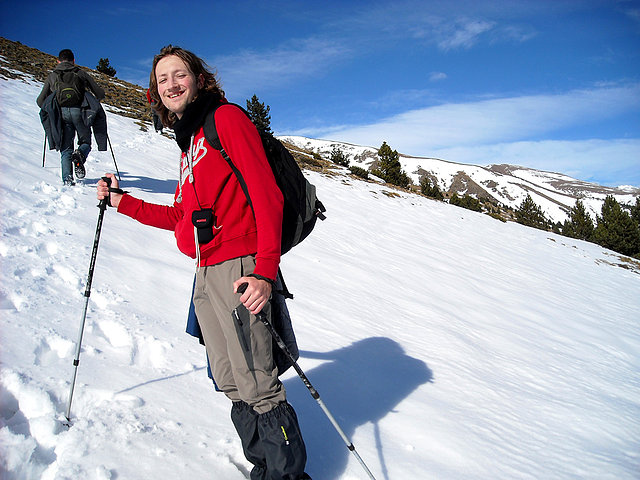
(63, 117)
(235, 248)
(157, 123)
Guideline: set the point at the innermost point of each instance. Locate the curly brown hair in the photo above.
(196, 65)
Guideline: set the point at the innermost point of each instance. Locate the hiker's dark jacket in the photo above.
(92, 114)
(49, 84)
(94, 117)
(51, 119)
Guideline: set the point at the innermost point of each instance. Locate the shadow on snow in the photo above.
(360, 384)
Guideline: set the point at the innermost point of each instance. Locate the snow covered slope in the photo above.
(447, 344)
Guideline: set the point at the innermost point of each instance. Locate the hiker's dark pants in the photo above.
(72, 123)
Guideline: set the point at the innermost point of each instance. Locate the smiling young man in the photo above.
(239, 245)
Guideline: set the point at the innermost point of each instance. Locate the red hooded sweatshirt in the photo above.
(207, 181)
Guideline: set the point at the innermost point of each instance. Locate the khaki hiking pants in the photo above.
(238, 345)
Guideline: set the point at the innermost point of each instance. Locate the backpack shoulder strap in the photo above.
(57, 78)
(83, 78)
(212, 138)
(209, 127)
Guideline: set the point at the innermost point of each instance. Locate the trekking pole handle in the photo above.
(241, 289)
(105, 201)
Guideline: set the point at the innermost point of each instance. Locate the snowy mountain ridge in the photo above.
(555, 193)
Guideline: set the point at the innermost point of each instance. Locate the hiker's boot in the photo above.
(245, 419)
(282, 443)
(77, 158)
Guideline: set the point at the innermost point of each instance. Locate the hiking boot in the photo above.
(68, 182)
(78, 163)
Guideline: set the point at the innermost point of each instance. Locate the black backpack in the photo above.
(69, 88)
(301, 206)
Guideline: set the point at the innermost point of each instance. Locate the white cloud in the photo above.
(461, 33)
(295, 59)
(633, 14)
(450, 28)
(517, 33)
(417, 132)
(437, 76)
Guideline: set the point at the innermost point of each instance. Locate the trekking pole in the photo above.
(76, 360)
(44, 149)
(314, 393)
(114, 158)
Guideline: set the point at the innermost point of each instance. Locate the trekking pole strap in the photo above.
(262, 277)
(107, 200)
(114, 157)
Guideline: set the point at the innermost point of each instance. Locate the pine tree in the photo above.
(104, 67)
(338, 157)
(389, 167)
(579, 225)
(359, 172)
(531, 215)
(430, 189)
(616, 230)
(467, 201)
(259, 114)
(635, 211)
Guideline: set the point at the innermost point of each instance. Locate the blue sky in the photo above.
(548, 84)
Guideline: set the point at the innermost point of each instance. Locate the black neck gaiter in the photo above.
(193, 118)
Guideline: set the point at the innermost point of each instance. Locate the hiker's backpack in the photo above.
(69, 88)
(301, 206)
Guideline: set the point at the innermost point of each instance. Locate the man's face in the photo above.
(177, 85)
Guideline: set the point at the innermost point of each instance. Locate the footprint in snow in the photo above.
(67, 276)
(142, 350)
(52, 349)
(5, 301)
(115, 333)
(104, 297)
(29, 410)
(44, 188)
(12, 301)
(52, 248)
(151, 351)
